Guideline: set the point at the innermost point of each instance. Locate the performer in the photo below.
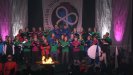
(45, 48)
(57, 32)
(52, 38)
(18, 49)
(65, 49)
(27, 50)
(83, 66)
(26, 33)
(35, 49)
(54, 49)
(95, 33)
(34, 32)
(82, 49)
(1, 47)
(71, 47)
(107, 38)
(9, 47)
(88, 43)
(75, 32)
(76, 50)
(20, 35)
(60, 47)
(10, 67)
(40, 33)
(65, 31)
(105, 45)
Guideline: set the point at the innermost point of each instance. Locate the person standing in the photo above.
(10, 66)
(65, 49)
(9, 47)
(45, 48)
(1, 47)
(35, 49)
(18, 49)
(27, 50)
(54, 49)
(76, 51)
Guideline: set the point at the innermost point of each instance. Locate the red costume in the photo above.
(10, 68)
(0, 68)
(21, 39)
(76, 45)
(45, 49)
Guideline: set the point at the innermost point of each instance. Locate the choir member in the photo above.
(76, 51)
(10, 66)
(65, 49)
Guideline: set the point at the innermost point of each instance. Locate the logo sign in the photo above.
(62, 12)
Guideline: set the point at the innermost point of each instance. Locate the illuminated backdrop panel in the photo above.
(4, 18)
(120, 13)
(13, 16)
(103, 16)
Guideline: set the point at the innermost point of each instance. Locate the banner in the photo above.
(62, 12)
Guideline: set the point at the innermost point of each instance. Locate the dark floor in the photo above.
(62, 69)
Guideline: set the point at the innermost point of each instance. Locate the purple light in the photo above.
(119, 18)
(119, 29)
(4, 29)
(4, 18)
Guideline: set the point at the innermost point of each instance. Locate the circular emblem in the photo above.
(65, 14)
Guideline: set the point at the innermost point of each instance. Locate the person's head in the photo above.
(9, 57)
(9, 39)
(16, 37)
(104, 40)
(74, 30)
(26, 39)
(33, 29)
(95, 41)
(65, 38)
(62, 36)
(45, 41)
(35, 37)
(94, 38)
(88, 37)
(20, 31)
(52, 35)
(72, 36)
(65, 26)
(95, 30)
(80, 37)
(107, 34)
(43, 37)
(89, 29)
(40, 29)
(75, 38)
(26, 29)
(104, 36)
(56, 27)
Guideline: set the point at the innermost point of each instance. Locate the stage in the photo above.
(65, 69)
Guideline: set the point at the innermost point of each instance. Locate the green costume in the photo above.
(108, 39)
(54, 47)
(82, 45)
(65, 46)
(26, 46)
(17, 43)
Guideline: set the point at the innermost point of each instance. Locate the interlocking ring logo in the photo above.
(65, 17)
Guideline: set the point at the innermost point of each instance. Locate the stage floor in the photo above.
(65, 69)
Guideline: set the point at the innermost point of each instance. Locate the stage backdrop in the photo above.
(13, 16)
(115, 17)
(62, 12)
